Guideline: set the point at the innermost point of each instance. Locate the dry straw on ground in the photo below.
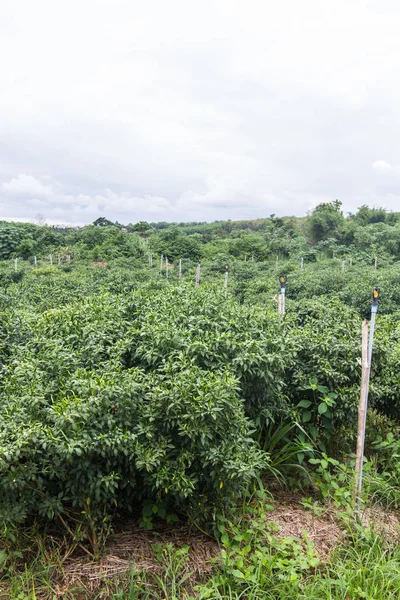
(132, 548)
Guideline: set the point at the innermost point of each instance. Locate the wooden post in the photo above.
(362, 413)
(281, 299)
(226, 279)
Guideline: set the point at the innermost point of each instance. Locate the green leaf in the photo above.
(304, 403)
(322, 408)
(307, 416)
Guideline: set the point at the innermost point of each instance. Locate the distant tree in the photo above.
(326, 221)
(40, 219)
(103, 222)
(26, 248)
(143, 228)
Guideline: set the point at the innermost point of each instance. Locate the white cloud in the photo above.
(26, 185)
(381, 166)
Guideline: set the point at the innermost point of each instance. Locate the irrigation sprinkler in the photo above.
(226, 279)
(367, 345)
(281, 298)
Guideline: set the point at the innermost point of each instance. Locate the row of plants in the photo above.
(166, 392)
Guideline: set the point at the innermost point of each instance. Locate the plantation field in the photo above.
(187, 420)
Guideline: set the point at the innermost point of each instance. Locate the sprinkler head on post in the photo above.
(376, 294)
(282, 282)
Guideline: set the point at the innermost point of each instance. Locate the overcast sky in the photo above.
(179, 110)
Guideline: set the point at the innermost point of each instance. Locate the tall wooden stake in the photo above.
(361, 413)
(367, 345)
(281, 298)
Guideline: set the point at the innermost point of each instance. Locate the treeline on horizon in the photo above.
(325, 232)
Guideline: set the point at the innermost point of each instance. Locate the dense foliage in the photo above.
(120, 384)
